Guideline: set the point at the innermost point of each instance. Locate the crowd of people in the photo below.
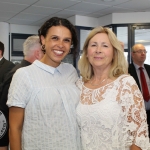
(47, 105)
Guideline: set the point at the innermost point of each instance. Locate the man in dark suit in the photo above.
(138, 54)
(5, 65)
(32, 51)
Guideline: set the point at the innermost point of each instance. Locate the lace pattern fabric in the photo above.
(112, 117)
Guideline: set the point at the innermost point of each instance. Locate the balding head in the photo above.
(138, 54)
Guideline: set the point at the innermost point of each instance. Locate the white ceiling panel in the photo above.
(3, 19)
(68, 13)
(111, 3)
(111, 10)
(62, 4)
(87, 7)
(7, 14)
(41, 10)
(12, 7)
(34, 12)
(136, 4)
(21, 21)
(31, 17)
(28, 2)
(41, 21)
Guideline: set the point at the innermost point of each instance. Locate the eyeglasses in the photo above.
(140, 51)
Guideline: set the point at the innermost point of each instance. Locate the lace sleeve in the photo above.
(79, 83)
(135, 115)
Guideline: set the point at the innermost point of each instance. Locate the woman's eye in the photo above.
(105, 46)
(55, 38)
(93, 45)
(67, 40)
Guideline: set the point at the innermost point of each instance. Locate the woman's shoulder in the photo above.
(67, 65)
(23, 71)
(126, 78)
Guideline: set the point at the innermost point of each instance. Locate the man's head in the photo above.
(1, 49)
(32, 49)
(138, 54)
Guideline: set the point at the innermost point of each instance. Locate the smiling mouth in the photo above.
(57, 52)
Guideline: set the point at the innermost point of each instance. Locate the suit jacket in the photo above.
(132, 72)
(5, 86)
(5, 67)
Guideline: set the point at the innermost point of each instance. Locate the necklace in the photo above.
(98, 83)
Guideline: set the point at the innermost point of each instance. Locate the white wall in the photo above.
(136, 17)
(86, 21)
(106, 20)
(114, 18)
(72, 19)
(4, 37)
(120, 18)
(25, 29)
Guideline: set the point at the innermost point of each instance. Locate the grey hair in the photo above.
(30, 44)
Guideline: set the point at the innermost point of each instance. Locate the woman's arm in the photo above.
(16, 118)
(133, 103)
(134, 147)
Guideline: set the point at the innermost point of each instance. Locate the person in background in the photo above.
(32, 51)
(138, 55)
(43, 96)
(5, 65)
(111, 111)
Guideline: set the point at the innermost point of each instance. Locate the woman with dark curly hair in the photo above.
(43, 96)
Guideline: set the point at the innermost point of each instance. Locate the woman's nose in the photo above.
(60, 44)
(98, 49)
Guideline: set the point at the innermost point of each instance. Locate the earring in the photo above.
(69, 51)
(43, 48)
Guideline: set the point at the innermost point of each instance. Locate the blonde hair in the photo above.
(119, 64)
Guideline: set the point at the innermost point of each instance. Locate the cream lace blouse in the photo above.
(112, 117)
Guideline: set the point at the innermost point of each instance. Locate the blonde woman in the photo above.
(111, 111)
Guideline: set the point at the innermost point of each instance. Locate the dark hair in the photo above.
(2, 47)
(55, 21)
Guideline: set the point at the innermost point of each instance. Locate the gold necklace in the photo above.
(99, 83)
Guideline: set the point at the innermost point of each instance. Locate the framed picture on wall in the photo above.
(17, 41)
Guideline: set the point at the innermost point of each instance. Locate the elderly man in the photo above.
(141, 74)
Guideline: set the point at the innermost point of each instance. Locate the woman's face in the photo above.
(100, 51)
(57, 45)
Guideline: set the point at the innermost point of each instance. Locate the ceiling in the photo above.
(35, 12)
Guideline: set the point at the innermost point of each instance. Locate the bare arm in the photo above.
(16, 118)
(134, 147)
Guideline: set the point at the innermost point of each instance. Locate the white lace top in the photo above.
(112, 117)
